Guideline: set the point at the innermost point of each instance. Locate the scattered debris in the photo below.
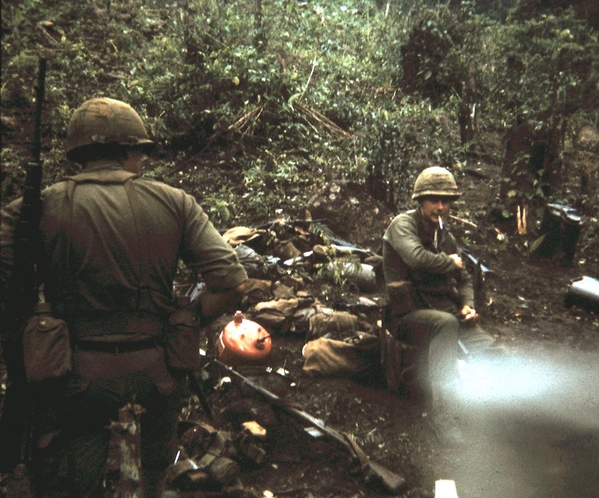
(123, 474)
(560, 230)
(369, 470)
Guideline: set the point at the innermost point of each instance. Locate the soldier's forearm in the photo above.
(213, 304)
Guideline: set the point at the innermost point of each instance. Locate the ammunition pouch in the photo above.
(182, 340)
(396, 362)
(401, 299)
(47, 350)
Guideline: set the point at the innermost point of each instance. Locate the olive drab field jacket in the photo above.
(413, 252)
(118, 259)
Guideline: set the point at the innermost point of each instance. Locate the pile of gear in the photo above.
(210, 459)
(286, 259)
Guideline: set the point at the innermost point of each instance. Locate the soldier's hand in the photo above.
(468, 315)
(457, 261)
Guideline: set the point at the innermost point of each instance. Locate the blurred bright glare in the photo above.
(560, 385)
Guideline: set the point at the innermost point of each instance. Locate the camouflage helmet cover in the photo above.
(436, 181)
(105, 121)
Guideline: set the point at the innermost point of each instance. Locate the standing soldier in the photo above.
(431, 297)
(112, 243)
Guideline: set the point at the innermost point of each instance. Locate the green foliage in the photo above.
(551, 66)
(535, 67)
(426, 58)
(274, 184)
(219, 207)
(268, 104)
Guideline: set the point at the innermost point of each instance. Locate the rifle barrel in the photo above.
(475, 261)
(391, 481)
(17, 420)
(39, 103)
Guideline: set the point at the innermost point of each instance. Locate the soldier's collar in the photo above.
(104, 172)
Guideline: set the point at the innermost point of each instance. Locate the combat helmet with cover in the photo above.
(435, 181)
(102, 121)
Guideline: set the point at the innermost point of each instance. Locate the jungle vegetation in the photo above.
(253, 103)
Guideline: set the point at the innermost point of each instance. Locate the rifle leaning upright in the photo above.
(21, 299)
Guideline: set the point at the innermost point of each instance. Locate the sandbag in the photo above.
(341, 323)
(329, 357)
(257, 291)
(301, 319)
(240, 235)
(275, 315)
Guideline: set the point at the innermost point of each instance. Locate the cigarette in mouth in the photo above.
(441, 223)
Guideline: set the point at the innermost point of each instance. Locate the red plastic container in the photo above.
(243, 342)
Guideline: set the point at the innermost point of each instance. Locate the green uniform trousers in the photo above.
(438, 339)
(100, 384)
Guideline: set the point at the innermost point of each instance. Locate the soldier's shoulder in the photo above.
(59, 186)
(400, 224)
(159, 185)
(172, 195)
(407, 217)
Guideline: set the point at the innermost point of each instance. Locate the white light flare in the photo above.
(561, 385)
(505, 379)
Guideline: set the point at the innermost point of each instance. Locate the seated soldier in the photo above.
(431, 298)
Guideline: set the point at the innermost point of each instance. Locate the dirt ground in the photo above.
(531, 421)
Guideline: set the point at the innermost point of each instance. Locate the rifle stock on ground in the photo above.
(372, 472)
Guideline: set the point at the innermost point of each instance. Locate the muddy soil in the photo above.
(531, 421)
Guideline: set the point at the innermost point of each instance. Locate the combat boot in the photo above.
(445, 422)
(447, 429)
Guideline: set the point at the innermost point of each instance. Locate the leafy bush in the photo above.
(551, 66)
(253, 103)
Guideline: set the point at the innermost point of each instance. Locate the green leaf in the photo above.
(537, 243)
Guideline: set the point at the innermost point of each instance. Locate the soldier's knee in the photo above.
(445, 322)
